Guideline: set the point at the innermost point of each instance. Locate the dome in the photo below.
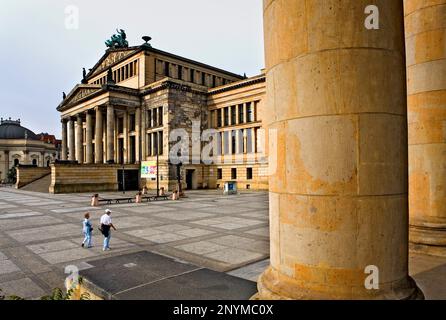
(10, 129)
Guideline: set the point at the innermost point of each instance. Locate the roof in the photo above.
(11, 129)
(112, 57)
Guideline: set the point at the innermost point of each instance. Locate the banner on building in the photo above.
(148, 169)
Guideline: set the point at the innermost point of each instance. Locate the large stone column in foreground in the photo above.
(336, 95)
(426, 73)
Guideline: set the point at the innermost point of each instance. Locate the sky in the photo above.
(43, 51)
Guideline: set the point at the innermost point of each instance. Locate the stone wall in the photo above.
(26, 175)
(71, 178)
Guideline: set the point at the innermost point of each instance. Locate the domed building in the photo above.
(19, 145)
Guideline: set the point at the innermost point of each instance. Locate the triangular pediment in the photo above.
(111, 57)
(80, 92)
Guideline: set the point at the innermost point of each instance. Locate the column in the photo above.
(143, 134)
(104, 138)
(153, 137)
(64, 140)
(125, 131)
(98, 136)
(138, 135)
(338, 207)
(79, 140)
(230, 116)
(72, 140)
(110, 133)
(426, 74)
(245, 112)
(89, 138)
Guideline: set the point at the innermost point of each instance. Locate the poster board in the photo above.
(148, 169)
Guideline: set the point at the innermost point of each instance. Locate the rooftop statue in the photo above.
(118, 40)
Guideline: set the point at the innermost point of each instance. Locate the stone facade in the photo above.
(338, 201)
(426, 73)
(153, 96)
(18, 149)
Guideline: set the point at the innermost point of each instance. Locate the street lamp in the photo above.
(123, 172)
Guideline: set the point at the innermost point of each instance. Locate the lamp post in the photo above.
(157, 170)
(123, 173)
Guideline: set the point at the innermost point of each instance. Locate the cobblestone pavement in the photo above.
(40, 234)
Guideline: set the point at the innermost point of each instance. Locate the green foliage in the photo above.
(12, 175)
(57, 294)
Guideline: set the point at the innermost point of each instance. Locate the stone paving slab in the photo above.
(155, 277)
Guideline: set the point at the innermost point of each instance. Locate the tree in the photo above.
(12, 175)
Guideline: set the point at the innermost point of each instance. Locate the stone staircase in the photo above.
(40, 185)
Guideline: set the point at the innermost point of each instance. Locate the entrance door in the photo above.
(190, 179)
(131, 178)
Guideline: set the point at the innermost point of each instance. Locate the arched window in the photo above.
(16, 162)
(34, 162)
(48, 163)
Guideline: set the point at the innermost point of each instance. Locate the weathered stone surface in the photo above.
(425, 23)
(338, 201)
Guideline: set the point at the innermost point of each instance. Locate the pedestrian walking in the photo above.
(87, 230)
(106, 225)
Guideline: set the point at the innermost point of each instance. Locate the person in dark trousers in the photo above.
(106, 225)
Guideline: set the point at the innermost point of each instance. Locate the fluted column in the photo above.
(64, 140)
(125, 146)
(110, 133)
(72, 140)
(338, 197)
(98, 136)
(138, 135)
(426, 73)
(79, 140)
(89, 138)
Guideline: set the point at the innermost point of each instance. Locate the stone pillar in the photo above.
(110, 133)
(79, 140)
(338, 196)
(104, 138)
(143, 138)
(426, 74)
(138, 135)
(125, 131)
(245, 112)
(89, 138)
(72, 140)
(98, 146)
(64, 139)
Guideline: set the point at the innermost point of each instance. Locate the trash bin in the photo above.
(230, 188)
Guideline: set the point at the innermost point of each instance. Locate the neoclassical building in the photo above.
(128, 105)
(19, 145)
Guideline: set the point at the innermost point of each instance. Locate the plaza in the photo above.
(40, 235)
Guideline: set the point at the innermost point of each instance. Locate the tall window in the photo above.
(250, 113)
(167, 69)
(233, 173)
(192, 75)
(132, 124)
(180, 72)
(226, 115)
(149, 144)
(160, 116)
(241, 113)
(155, 117)
(160, 142)
(214, 81)
(34, 162)
(149, 118)
(249, 173)
(233, 142)
(120, 125)
(219, 173)
(219, 117)
(203, 78)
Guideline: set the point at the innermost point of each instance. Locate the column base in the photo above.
(274, 286)
(428, 238)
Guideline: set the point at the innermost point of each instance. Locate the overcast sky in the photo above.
(40, 57)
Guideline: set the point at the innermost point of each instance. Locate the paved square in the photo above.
(40, 234)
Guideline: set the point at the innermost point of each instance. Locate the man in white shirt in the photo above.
(106, 225)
